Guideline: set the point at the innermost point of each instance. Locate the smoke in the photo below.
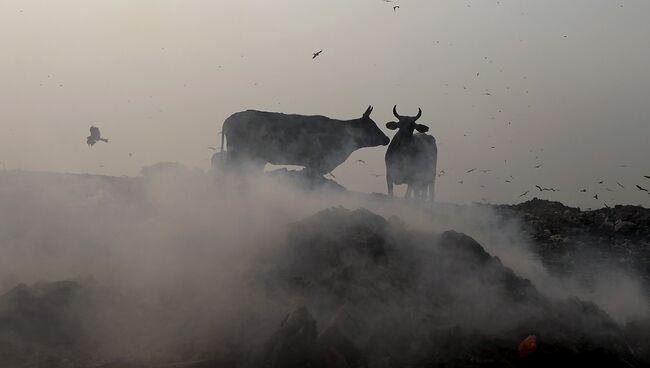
(179, 247)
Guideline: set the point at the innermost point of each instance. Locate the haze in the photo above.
(568, 85)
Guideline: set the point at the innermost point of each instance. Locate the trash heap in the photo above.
(358, 290)
(403, 298)
(569, 239)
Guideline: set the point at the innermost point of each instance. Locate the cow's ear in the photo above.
(421, 128)
(392, 125)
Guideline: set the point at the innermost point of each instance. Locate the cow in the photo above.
(411, 158)
(320, 144)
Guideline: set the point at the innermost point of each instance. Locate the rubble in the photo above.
(417, 299)
(362, 290)
(570, 240)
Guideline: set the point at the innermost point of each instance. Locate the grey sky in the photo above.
(160, 76)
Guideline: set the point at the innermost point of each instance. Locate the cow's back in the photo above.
(283, 139)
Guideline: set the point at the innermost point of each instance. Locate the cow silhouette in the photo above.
(411, 158)
(320, 144)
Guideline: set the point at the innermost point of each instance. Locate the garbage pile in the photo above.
(407, 298)
(359, 290)
(568, 239)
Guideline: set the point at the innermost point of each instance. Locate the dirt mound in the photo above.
(419, 299)
(364, 291)
(587, 242)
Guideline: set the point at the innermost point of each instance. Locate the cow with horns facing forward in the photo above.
(411, 158)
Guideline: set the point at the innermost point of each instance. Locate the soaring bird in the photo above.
(94, 136)
(395, 7)
(547, 189)
(642, 188)
(316, 54)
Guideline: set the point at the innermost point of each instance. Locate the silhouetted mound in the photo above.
(297, 344)
(306, 180)
(587, 242)
(362, 291)
(44, 312)
(407, 298)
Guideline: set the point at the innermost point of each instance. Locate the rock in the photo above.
(624, 227)
(297, 344)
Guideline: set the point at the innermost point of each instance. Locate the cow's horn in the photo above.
(395, 112)
(419, 114)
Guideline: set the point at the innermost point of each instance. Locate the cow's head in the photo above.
(370, 135)
(407, 124)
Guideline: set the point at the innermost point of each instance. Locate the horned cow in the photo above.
(411, 158)
(320, 144)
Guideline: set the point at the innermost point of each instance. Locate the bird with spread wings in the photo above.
(94, 136)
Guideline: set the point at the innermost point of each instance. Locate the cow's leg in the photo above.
(389, 184)
(432, 189)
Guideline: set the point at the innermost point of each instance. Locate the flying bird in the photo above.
(524, 193)
(538, 166)
(646, 176)
(485, 171)
(620, 185)
(595, 196)
(362, 161)
(583, 190)
(546, 189)
(316, 54)
(470, 170)
(460, 182)
(600, 182)
(642, 188)
(94, 136)
(395, 7)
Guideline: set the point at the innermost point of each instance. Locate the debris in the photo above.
(527, 346)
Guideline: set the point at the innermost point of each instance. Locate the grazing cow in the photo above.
(318, 143)
(411, 158)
